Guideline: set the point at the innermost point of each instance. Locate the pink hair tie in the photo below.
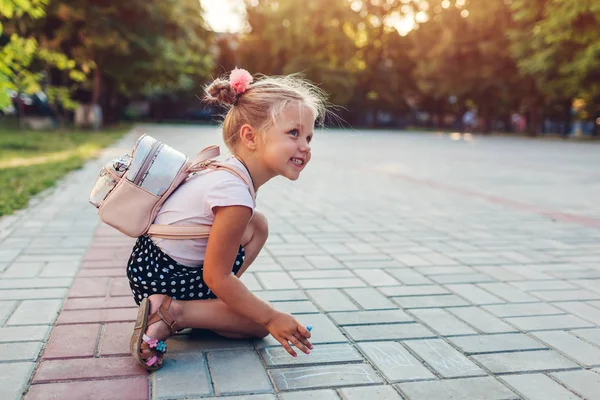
(240, 80)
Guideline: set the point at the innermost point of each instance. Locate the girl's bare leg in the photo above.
(210, 314)
(254, 239)
(213, 314)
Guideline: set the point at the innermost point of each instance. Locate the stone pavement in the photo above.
(429, 269)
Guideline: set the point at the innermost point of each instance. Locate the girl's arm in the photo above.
(223, 245)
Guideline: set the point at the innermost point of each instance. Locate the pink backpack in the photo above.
(131, 189)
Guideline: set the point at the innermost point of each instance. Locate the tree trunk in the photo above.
(97, 88)
(568, 118)
(534, 120)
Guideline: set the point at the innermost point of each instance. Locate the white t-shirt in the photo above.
(193, 202)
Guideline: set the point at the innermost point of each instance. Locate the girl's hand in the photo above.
(284, 328)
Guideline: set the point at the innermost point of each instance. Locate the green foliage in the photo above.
(558, 42)
(288, 36)
(22, 60)
(33, 161)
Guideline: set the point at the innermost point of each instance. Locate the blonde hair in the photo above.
(264, 100)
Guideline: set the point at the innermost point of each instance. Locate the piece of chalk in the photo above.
(309, 327)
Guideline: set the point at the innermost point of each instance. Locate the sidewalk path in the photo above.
(429, 269)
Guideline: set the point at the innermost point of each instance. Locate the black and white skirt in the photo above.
(151, 271)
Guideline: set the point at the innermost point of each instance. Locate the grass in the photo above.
(31, 161)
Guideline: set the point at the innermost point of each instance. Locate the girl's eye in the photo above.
(294, 132)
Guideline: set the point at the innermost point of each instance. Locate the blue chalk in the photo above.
(309, 327)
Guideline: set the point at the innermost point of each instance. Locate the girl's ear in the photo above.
(248, 136)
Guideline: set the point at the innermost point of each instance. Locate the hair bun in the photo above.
(220, 91)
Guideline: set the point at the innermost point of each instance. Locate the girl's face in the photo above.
(285, 150)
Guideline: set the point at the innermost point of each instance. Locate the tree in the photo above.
(135, 47)
(461, 50)
(287, 36)
(558, 43)
(23, 62)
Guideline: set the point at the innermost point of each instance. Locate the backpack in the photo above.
(131, 189)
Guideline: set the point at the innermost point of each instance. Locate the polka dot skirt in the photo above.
(151, 271)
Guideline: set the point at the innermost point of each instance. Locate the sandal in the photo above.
(140, 341)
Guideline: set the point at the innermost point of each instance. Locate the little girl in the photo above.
(194, 283)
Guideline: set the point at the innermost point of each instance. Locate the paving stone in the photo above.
(584, 383)
(507, 292)
(496, 343)
(296, 307)
(251, 282)
(449, 300)
(591, 335)
(130, 389)
(276, 280)
(87, 368)
(238, 371)
(485, 388)
(523, 310)
(408, 276)
(324, 376)
(322, 274)
(96, 316)
(370, 299)
(23, 270)
(326, 262)
(461, 278)
(20, 351)
(549, 322)
(525, 361)
(442, 322)
(388, 332)
(444, 359)
(474, 294)
(6, 309)
(310, 394)
(414, 290)
(91, 303)
(376, 277)
(247, 397)
(24, 334)
(330, 283)
(481, 320)
(538, 387)
(324, 331)
(34, 283)
(370, 392)
(321, 354)
(582, 310)
(115, 339)
(370, 317)
(35, 312)
(197, 340)
(183, 376)
(281, 295)
(395, 362)
(14, 378)
(500, 273)
(332, 300)
(572, 347)
(72, 341)
(543, 285)
(566, 295)
(33, 294)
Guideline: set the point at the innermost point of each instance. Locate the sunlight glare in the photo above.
(403, 24)
(224, 15)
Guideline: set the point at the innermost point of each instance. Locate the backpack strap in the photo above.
(202, 161)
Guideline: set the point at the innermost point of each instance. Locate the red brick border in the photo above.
(87, 355)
